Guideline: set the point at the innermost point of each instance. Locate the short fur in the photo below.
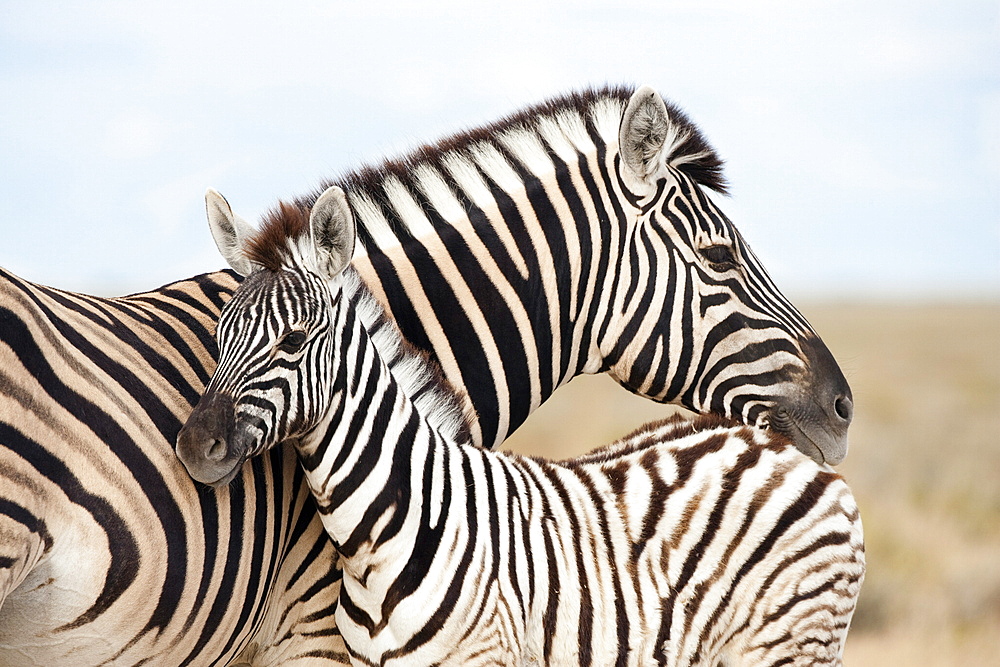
(705, 167)
(272, 248)
(470, 187)
(268, 247)
(688, 543)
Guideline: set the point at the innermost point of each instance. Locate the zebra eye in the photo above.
(721, 257)
(292, 341)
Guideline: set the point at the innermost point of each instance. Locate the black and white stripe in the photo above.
(577, 237)
(686, 543)
(109, 554)
(517, 255)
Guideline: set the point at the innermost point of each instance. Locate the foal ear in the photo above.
(644, 129)
(229, 230)
(331, 225)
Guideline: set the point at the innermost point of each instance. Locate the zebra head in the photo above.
(275, 328)
(692, 317)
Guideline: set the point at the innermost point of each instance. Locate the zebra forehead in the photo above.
(272, 247)
(297, 296)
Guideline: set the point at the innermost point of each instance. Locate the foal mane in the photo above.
(281, 226)
(285, 228)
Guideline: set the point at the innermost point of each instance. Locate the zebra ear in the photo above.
(331, 225)
(643, 132)
(229, 230)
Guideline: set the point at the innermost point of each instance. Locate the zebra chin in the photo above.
(817, 414)
(815, 440)
(209, 445)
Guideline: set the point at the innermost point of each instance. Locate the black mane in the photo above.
(704, 166)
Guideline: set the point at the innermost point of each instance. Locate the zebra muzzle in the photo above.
(819, 412)
(205, 445)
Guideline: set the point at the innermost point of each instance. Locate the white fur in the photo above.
(371, 217)
(410, 213)
(230, 231)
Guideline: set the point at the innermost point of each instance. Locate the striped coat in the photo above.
(518, 255)
(687, 543)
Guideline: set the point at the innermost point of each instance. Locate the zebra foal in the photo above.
(686, 543)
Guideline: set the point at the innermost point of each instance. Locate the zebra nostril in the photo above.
(216, 449)
(844, 408)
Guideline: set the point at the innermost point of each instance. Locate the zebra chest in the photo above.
(446, 621)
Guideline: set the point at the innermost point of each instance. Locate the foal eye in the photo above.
(292, 341)
(721, 257)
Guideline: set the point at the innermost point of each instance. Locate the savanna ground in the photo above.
(924, 465)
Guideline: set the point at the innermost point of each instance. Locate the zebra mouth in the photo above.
(226, 477)
(210, 445)
(213, 473)
(816, 412)
(808, 436)
(224, 466)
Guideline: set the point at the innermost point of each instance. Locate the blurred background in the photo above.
(924, 465)
(863, 147)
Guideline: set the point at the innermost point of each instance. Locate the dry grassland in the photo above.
(924, 465)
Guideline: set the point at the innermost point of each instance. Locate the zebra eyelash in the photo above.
(720, 257)
(292, 341)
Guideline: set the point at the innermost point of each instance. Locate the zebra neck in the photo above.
(541, 263)
(365, 460)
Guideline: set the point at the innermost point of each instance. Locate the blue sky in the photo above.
(862, 138)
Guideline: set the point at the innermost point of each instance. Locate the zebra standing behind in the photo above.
(577, 237)
(699, 543)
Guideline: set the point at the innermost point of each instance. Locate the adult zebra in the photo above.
(537, 215)
(684, 544)
(576, 237)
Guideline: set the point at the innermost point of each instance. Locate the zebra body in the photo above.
(685, 543)
(518, 256)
